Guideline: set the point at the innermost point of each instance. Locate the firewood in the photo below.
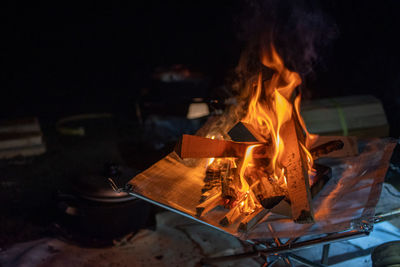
(228, 189)
(350, 147)
(213, 174)
(209, 193)
(191, 146)
(259, 192)
(208, 204)
(207, 187)
(295, 162)
(270, 202)
(230, 217)
(323, 174)
(213, 178)
(251, 220)
(326, 148)
(244, 132)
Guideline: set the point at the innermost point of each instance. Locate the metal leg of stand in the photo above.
(287, 260)
(325, 254)
(271, 263)
(304, 261)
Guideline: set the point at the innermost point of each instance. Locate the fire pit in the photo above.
(251, 172)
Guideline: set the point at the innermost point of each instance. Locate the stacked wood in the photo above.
(228, 186)
(361, 115)
(209, 193)
(213, 177)
(265, 187)
(21, 137)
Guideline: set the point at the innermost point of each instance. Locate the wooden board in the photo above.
(296, 173)
(350, 147)
(190, 146)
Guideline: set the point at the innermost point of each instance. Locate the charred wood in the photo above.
(326, 148)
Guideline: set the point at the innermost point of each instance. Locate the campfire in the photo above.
(253, 172)
(266, 157)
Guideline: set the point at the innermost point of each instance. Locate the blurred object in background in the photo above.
(358, 115)
(21, 137)
(174, 103)
(93, 214)
(177, 73)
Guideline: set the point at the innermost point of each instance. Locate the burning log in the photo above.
(190, 146)
(239, 207)
(270, 145)
(349, 148)
(294, 159)
(228, 188)
(213, 178)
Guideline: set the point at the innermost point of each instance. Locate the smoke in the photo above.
(300, 31)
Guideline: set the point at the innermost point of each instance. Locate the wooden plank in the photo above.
(251, 220)
(296, 173)
(208, 204)
(350, 147)
(190, 146)
(231, 216)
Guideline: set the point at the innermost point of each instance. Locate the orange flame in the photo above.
(247, 205)
(271, 104)
(270, 107)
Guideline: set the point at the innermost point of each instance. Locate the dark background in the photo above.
(63, 58)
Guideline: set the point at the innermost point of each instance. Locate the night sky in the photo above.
(61, 58)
